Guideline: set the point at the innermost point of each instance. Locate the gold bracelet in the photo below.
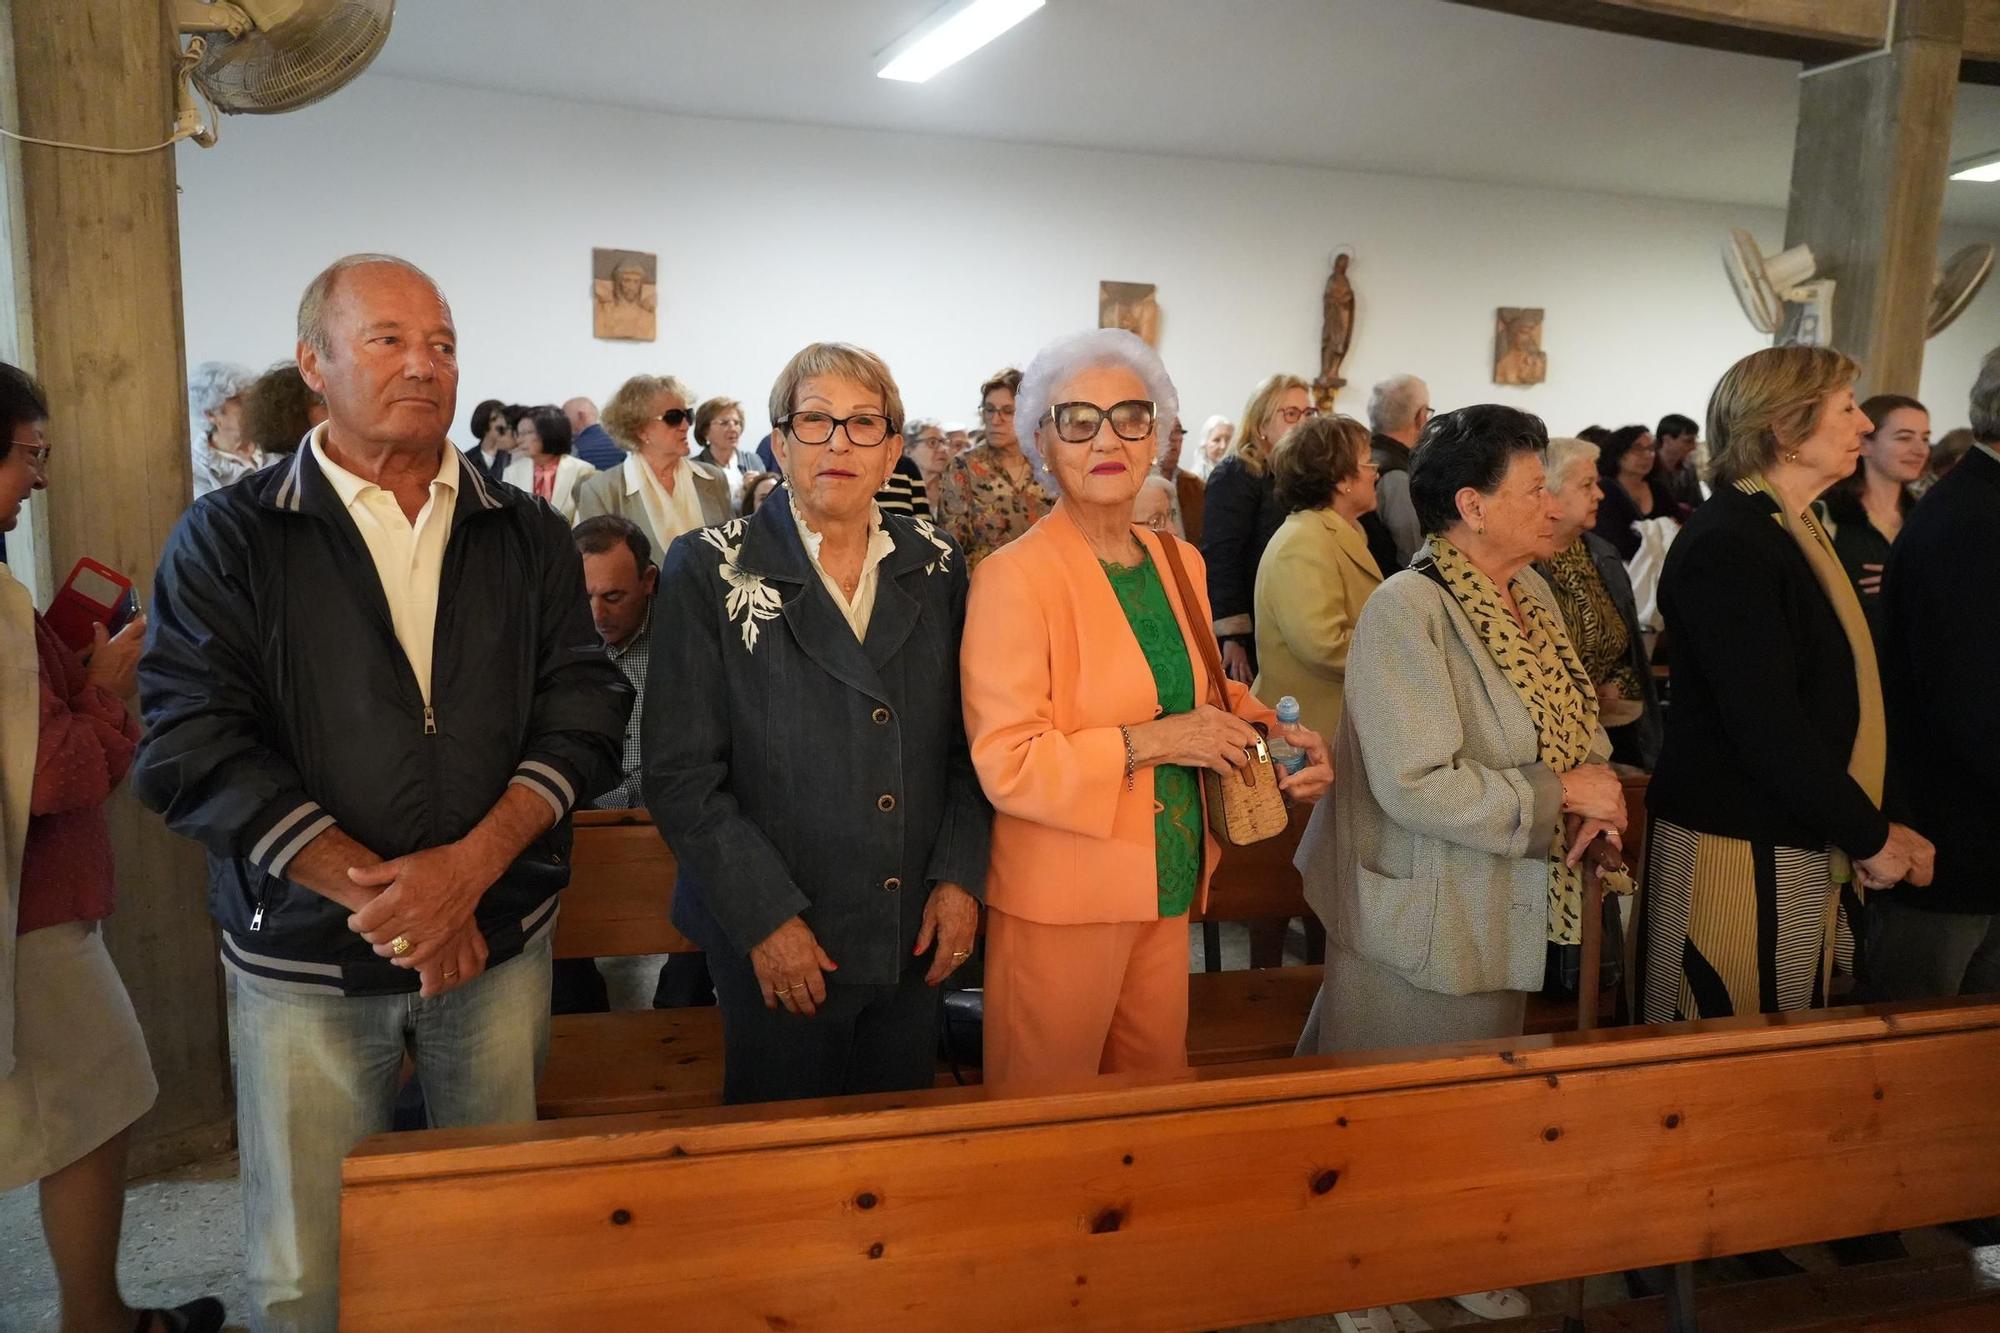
(1131, 757)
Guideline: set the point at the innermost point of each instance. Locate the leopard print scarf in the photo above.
(1544, 670)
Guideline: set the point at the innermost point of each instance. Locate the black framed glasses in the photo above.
(989, 412)
(865, 430)
(677, 416)
(1078, 423)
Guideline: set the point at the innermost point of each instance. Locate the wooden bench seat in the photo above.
(671, 1059)
(621, 893)
(1223, 1195)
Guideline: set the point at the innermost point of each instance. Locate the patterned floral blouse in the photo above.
(983, 507)
(1176, 789)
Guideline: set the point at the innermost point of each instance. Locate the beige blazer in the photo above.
(1311, 582)
(1432, 857)
(617, 492)
(20, 732)
(571, 472)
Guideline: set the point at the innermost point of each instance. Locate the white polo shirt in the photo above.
(409, 557)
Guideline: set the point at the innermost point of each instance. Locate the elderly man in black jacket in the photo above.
(373, 692)
(1941, 649)
(805, 754)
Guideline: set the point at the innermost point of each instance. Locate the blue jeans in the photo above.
(317, 1073)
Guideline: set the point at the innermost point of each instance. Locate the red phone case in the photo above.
(73, 615)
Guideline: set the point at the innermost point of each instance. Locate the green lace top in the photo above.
(1176, 789)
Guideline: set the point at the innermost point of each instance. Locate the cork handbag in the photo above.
(1245, 806)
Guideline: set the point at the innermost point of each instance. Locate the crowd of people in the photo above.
(881, 676)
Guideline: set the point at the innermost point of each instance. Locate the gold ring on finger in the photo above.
(400, 945)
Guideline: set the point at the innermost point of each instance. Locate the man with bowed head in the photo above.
(373, 693)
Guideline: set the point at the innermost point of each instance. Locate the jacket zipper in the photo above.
(430, 721)
(257, 917)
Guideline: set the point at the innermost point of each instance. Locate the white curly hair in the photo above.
(1067, 357)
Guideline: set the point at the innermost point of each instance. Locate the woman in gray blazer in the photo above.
(658, 487)
(1471, 765)
(1471, 762)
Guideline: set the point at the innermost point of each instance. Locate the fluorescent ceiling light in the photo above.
(949, 36)
(1986, 168)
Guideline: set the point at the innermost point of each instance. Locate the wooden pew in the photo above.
(621, 892)
(1227, 1195)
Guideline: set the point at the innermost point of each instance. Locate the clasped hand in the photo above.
(426, 898)
(1908, 857)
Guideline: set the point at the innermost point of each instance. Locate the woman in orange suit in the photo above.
(1085, 704)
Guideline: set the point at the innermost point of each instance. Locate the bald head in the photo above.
(581, 413)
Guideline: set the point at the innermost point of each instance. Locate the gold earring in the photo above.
(1791, 455)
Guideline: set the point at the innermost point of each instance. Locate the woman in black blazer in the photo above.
(1241, 513)
(805, 754)
(1768, 794)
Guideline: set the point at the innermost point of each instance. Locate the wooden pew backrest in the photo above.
(1224, 1196)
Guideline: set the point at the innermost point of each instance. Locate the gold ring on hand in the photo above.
(400, 945)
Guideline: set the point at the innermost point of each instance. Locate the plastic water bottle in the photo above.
(1283, 753)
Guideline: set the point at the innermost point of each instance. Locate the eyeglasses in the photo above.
(1292, 416)
(1078, 423)
(864, 430)
(38, 454)
(992, 413)
(677, 416)
(1160, 522)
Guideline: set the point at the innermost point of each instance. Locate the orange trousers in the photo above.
(1066, 1002)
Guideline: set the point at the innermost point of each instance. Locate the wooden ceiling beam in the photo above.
(1812, 32)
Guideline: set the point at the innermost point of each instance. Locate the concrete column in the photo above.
(99, 309)
(1868, 175)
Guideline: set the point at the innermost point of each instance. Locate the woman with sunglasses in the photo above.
(658, 487)
(829, 828)
(1088, 707)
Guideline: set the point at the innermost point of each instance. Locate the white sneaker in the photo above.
(1506, 1303)
(1376, 1319)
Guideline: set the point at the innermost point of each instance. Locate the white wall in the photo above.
(952, 257)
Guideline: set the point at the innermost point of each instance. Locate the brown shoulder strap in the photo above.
(1202, 634)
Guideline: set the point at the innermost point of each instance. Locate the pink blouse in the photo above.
(85, 745)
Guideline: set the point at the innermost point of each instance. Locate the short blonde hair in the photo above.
(705, 415)
(842, 359)
(1249, 447)
(1767, 402)
(626, 415)
(1310, 460)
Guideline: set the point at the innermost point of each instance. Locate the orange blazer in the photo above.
(1050, 670)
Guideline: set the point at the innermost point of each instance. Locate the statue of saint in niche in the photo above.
(1336, 333)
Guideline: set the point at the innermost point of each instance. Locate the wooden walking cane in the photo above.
(1604, 870)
